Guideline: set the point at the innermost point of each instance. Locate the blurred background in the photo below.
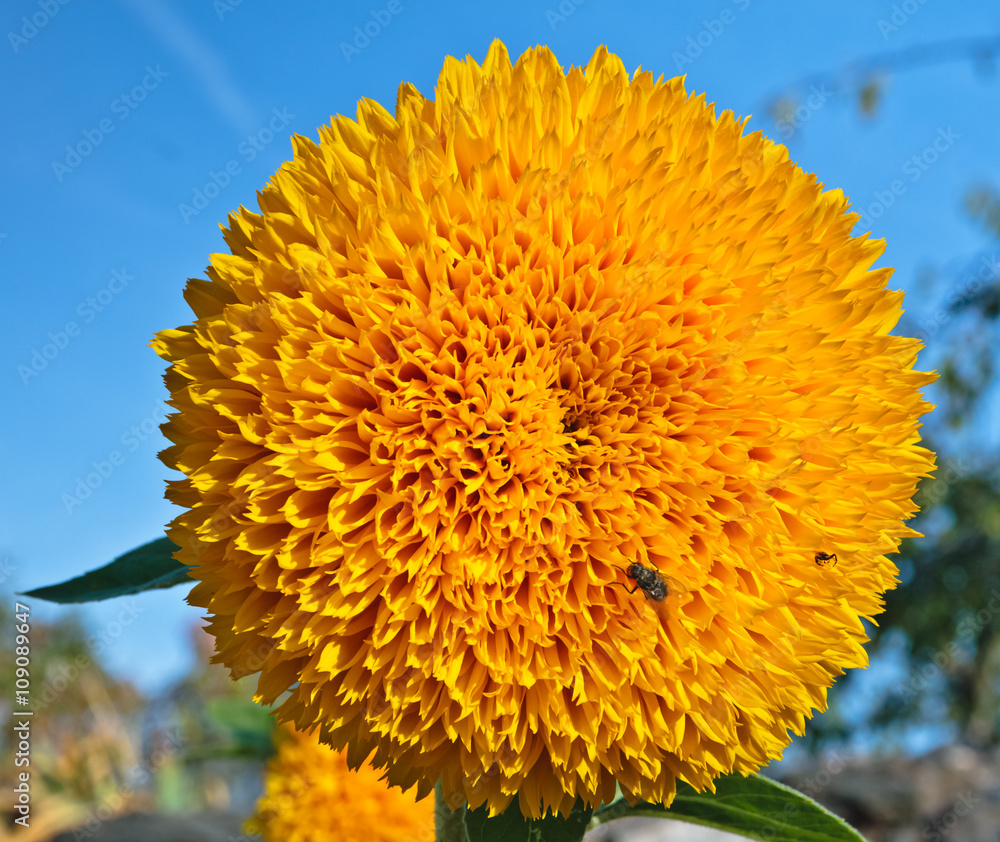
(135, 127)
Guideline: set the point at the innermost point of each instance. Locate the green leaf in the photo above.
(756, 807)
(238, 728)
(150, 566)
(449, 818)
(511, 826)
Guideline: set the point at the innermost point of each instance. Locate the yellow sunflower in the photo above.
(312, 795)
(472, 362)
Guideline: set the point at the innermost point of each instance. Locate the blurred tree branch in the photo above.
(945, 614)
(866, 76)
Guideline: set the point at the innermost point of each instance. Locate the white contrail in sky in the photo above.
(201, 59)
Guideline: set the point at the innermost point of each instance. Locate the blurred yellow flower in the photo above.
(312, 795)
(470, 363)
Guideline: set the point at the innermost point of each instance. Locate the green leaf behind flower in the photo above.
(238, 728)
(511, 826)
(150, 566)
(756, 807)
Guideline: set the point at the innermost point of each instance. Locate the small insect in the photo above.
(825, 559)
(655, 586)
(647, 579)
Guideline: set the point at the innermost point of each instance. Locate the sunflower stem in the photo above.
(449, 825)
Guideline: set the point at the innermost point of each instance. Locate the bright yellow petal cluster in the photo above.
(470, 360)
(312, 795)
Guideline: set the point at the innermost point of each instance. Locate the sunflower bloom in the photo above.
(472, 361)
(312, 795)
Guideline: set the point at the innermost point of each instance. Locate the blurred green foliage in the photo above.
(99, 748)
(944, 617)
(943, 620)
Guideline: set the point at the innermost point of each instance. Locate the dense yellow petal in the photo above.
(472, 361)
(312, 795)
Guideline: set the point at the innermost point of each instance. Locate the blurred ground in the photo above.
(112, 765)
(952, 793)
(949, 795)
(201, 827)
(653, 830)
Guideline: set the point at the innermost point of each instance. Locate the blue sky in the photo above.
(160, 101)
